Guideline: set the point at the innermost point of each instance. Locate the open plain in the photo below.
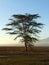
(18, 56)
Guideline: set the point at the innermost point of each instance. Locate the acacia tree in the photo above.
(24, 26)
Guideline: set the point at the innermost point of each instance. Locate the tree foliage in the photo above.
(24, 26)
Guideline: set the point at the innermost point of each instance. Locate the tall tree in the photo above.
(24, 26)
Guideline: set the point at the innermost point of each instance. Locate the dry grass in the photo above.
(18, 56)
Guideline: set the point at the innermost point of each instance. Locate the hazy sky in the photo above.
(10, 7)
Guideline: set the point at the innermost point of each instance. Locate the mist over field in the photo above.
(43, 42)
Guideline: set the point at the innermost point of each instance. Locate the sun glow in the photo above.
(10, 42)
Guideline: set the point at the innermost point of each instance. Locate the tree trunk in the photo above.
(26, 46)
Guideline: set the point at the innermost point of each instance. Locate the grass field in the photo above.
(18, 56)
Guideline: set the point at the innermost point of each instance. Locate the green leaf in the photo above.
(7, 29)
(17, 36)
